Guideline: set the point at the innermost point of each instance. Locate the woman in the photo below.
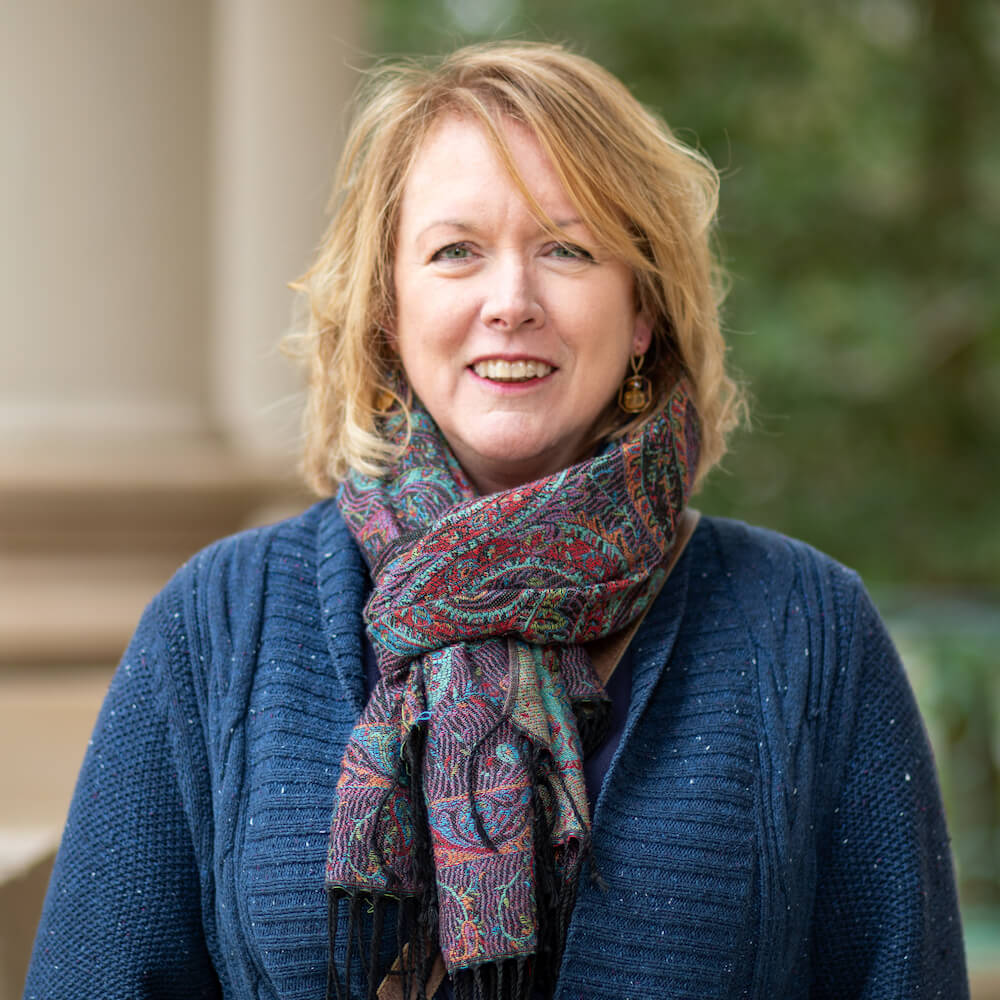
(588, 745)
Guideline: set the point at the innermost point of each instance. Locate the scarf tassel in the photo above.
(510, 979)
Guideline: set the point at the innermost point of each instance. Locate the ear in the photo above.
(642, 334)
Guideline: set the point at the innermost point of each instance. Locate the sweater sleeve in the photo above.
(886, 921)
(123, 914)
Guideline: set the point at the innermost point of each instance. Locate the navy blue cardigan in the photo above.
(770, 825)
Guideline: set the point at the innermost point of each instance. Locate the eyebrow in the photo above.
(471, 227)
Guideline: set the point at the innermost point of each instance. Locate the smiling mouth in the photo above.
(512, 371)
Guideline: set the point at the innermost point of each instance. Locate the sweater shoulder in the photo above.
(772, 574)
(748, 549)
(249, 550)
(222, 580)
(211, 611)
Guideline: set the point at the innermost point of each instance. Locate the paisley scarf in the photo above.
(461, 800)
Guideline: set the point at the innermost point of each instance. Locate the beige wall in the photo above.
(166, 164)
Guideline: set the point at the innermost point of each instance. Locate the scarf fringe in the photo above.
(363, 947)
(510, 979)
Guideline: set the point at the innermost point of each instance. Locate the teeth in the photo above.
(511, 371)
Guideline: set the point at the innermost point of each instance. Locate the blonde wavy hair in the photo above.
(646, 197)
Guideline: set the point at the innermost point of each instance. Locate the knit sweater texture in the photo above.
(769, 827)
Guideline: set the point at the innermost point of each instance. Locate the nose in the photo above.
(511, 301)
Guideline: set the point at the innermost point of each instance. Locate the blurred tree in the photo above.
(860, 206)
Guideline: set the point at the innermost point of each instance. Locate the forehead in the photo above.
(456, 168)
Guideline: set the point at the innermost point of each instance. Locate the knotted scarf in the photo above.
(461, 796)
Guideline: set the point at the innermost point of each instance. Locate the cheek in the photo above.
(606, 311)
(607, 336)
(434, 319)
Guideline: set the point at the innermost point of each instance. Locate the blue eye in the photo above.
(454, 251)
(570, 251)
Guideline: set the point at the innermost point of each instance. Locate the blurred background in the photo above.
(167, 165)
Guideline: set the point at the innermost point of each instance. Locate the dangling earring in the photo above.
(635, 392)
(396, 395)
(384, 401)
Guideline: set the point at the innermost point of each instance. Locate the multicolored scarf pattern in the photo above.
(462, 785)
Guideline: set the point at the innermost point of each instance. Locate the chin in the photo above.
(513, 436)
(511, 447)
(507, 465)
(512, 451)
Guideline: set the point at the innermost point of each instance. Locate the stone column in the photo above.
(103, 259)
(282, 75)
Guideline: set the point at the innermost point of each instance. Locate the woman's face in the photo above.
(514, 341)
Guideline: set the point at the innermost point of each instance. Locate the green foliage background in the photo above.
(860, 147)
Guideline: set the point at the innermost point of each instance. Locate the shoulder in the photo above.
(232, 560)
(224, 578)
(768, 572)
(211, 611)
(747, 549)
(818, 645)
(812, 639)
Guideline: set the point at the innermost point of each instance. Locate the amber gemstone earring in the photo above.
(385, 400)
(635, 392)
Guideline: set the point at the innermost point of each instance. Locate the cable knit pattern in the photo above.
(769, 827)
